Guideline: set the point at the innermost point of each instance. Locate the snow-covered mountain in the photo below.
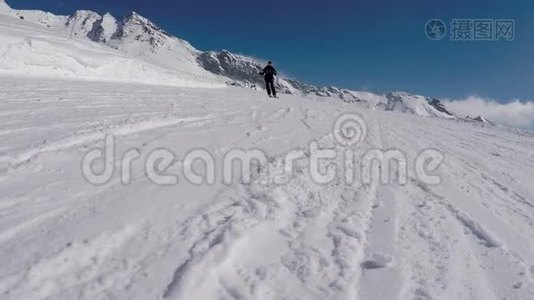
(140, 38)
(40, 44)
(245, 70)
(479, 119)
(415, 104)
(36, 16)
(88, 93)
(143, 40)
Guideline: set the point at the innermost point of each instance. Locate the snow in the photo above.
(32, 50)
(147, 48)
(64, 238)
(35, 16)
(4, 8)
(103, 29)
(61, 237)
(141, 39)
(81, 22)
(414, 104)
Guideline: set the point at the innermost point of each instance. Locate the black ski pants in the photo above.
(269, 83)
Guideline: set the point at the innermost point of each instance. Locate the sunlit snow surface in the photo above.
(30, 49)
(61, 237)
(469, 237)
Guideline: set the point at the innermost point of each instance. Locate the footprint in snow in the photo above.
(378, 261)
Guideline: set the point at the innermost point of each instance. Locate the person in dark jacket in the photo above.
(269, 72)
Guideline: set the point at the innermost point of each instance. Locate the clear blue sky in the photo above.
(374, 45)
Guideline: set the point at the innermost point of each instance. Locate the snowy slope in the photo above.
(237, 67)
(143, 40)
(39, 17)
(103, 29)
(82, 22)
(415, 104)
(28, 49)
(63, 238)
(242, 70)
(134, 35)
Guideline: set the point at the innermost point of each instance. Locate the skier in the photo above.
(269, 72)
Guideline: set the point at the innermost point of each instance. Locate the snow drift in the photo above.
(28, 49)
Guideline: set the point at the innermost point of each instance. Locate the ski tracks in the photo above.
(78, 269)
(295, 240)
(382, 265)
(449, 227)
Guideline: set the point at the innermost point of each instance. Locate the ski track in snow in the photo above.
(62, 238)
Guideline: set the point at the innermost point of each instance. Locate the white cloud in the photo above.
(515, 113)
